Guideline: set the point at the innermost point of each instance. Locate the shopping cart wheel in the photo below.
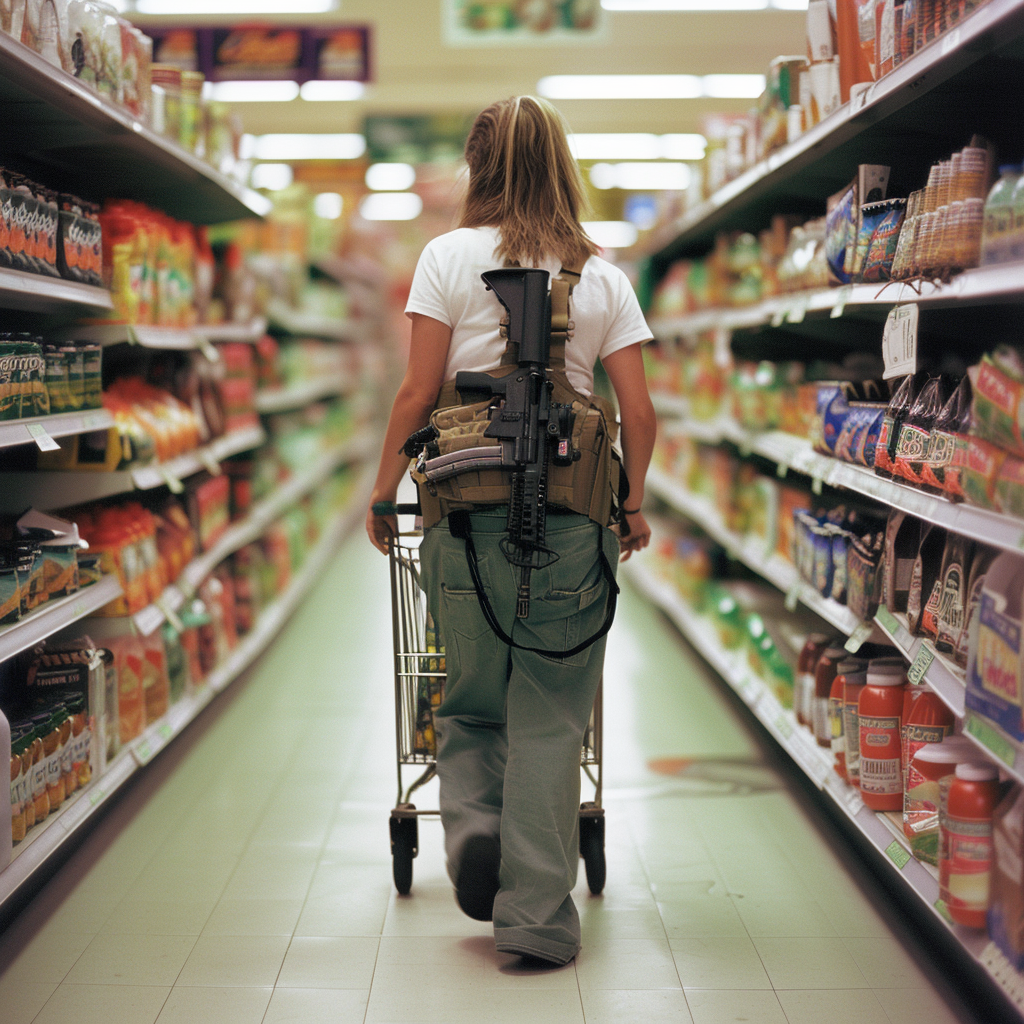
(592, 845)
(404, 845)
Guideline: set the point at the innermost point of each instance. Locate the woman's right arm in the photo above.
(417, 395)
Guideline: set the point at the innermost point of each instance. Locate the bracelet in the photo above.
(631, 511)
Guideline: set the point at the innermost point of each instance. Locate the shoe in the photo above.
(477, 882)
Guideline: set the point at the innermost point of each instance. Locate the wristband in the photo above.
(631, 511)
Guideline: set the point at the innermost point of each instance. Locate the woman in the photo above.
(511, 725)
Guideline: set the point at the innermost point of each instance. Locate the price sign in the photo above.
(816, 485)
(43, 441)
(899, 341)
(784, 727)
(919, 667)
(95, 796)
(779, 316)
(207, 459)
(170, 616)
(989, 738)
(798, 311)
(165, 732)
(792, 596)
(940, 906)
(842, 299)
(950, 41)
(897, 854)
(174, 485)
(723, 348)
(858, 636)
(209, 350)
(143, 752)
(133, 338)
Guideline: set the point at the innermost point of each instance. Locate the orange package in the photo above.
(855, 35)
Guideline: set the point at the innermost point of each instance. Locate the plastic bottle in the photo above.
(965, 866)
(853, 686)
(851, 670)
(825, 673)
(996, 228)
(879, 712)
(812, 650)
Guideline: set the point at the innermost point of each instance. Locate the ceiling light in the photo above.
(721, 87)
(641, 177)
(328, 205)
(309, 147)
(247, 147)
(253, 92)
(683, 146)
(616, 87)
(684, 5)
(790, 5)
(611, 234)
(243, 7)
(390, 177)
(332, 92)
(615, 145)
(391, 206)
(271, 176)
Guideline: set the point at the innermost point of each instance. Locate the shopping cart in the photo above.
(419, 688)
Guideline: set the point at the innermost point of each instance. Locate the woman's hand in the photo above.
(380, 529)
(639, 535)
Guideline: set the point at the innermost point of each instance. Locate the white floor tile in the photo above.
(223, 1005)
(629, 1006)
(319, 962)
(316, 1006)
(727, 1007)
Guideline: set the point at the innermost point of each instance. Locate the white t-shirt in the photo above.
(447, 287)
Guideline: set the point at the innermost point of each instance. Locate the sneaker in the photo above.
(477, 882)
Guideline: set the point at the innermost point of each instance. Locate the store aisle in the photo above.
(246, 878)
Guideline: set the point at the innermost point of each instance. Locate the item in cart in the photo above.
(902, 541)
(1006, 895)
(965, 861)
(940, 473)
(928, 765)
(879, 711)
(852, 672)
(926, 582)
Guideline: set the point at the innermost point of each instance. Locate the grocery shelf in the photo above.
(796, 453)
(55, 615)
(250, 332)
(288, 320)
(61, 488)
(44, 840)
(175, 338)
(752, 551)
(37, 293)
(247, 530)
(61, 424)
(981, 286)
(903, 120)
(816, 763)
(63, 131)
(669, 405)
(297, 395)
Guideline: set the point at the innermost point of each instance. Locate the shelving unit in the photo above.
(36, 293)
(44, 841)
(816, 762)
(62, 424)
(293, 321)
(298, 395)
(174, 338)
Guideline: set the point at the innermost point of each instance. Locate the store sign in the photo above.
(522, 22)
(416, 139)
(262, 52)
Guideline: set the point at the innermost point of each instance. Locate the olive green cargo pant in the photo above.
(511, 726)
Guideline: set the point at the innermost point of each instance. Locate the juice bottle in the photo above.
(940, 472)
(965, 866)
(922, 796)
(879, 714)
(996, 228)
(40, 798)
(851, 671)
(803, 692)
(825, 673)
(916, 430)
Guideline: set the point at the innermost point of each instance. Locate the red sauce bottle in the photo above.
(825, 673)
(852, 670)
(880, 711)
(965, 866)
(853, 687)
(803, 691)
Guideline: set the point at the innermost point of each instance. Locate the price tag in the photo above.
(816, 485)
(209, 350)
(989, 738)
(133, 338)
(940, 906)
(798, 311)
(169, 614)
(43, 441)
(842, 299)
(95, 796)
(723, 348)
(886, 620)
(784, 727)
(899, 341)
(207, 459)
(950, 41)
(743, 444)
(78, 609)
(165, 732)
(897, 854)
(919, 667)
(93, 421)
(780, 470)
(779, 315)
(174, 485)
(143, 752)
(792, 596)
(858, 636)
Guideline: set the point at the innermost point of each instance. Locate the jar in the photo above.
(855, 670)
(26, 779)
(190, 133)
(69, 780)
(40, 799)
(965, 867)
(853, 686)
(166, 100)
(803, 692)
(52, 750)
(879, 712)
(17, 792)
(825, 673)
(922, 798)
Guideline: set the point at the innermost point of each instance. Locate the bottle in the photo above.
(825, 673)
(853, 687)
(850, 670)
(53, 751)
(929, 721)
(995, 230)
(916, 430)
(965, 866)
(813, 648)
(923, 792)
(879, 712)
(952, 422)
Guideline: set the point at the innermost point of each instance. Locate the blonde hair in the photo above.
(524, 181)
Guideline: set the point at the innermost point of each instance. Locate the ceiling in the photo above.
(416, 72)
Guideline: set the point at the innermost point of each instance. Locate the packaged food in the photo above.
(900, 403)
(902, 537)
(998, 398)
(940, 473)
(982, 461)
(980, 563)
(916, 430)
(130, 673)
(1006, 897)
(928, 764)
(952, 592)
(925, 591)
(852, 672)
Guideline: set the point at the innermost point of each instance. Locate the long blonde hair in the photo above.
(524, 181)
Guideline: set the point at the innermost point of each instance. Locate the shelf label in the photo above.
(133, 338)
(207, 459)
(943, 911)
(886, 620)
(165, 732)
(744, 446)
(723, 348)
(43, 441)
(169, 614)
(950, 41)
(899, 341)
(780, 470)
(844, 296)
(143, 752)
(919, 667)
(174, 485)
(94, 421)
(78, 609)
(207, 348)
(792, 596)
(858, 636)
(95, 796)
(897, 854)
(798, 310)
(784, 726)
(816, 485)
(779, 315)
(990, 738)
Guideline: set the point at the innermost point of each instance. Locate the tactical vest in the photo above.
(588, 485)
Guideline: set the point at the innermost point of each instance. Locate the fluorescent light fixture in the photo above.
(683, 146)
(309, 147)
(391, 206)
(790, 5)
(254, 92)
(247, 147)
(271, 176)
(637, 146)
(684, 5)
(328, 205)
(722, 87)
(332, 92)
(620, 87)
(241, 7)
(390, 177)
(641, 177)
(611, 234)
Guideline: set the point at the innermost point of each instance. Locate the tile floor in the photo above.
(246, 877)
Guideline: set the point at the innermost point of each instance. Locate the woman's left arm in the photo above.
(417, 395)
